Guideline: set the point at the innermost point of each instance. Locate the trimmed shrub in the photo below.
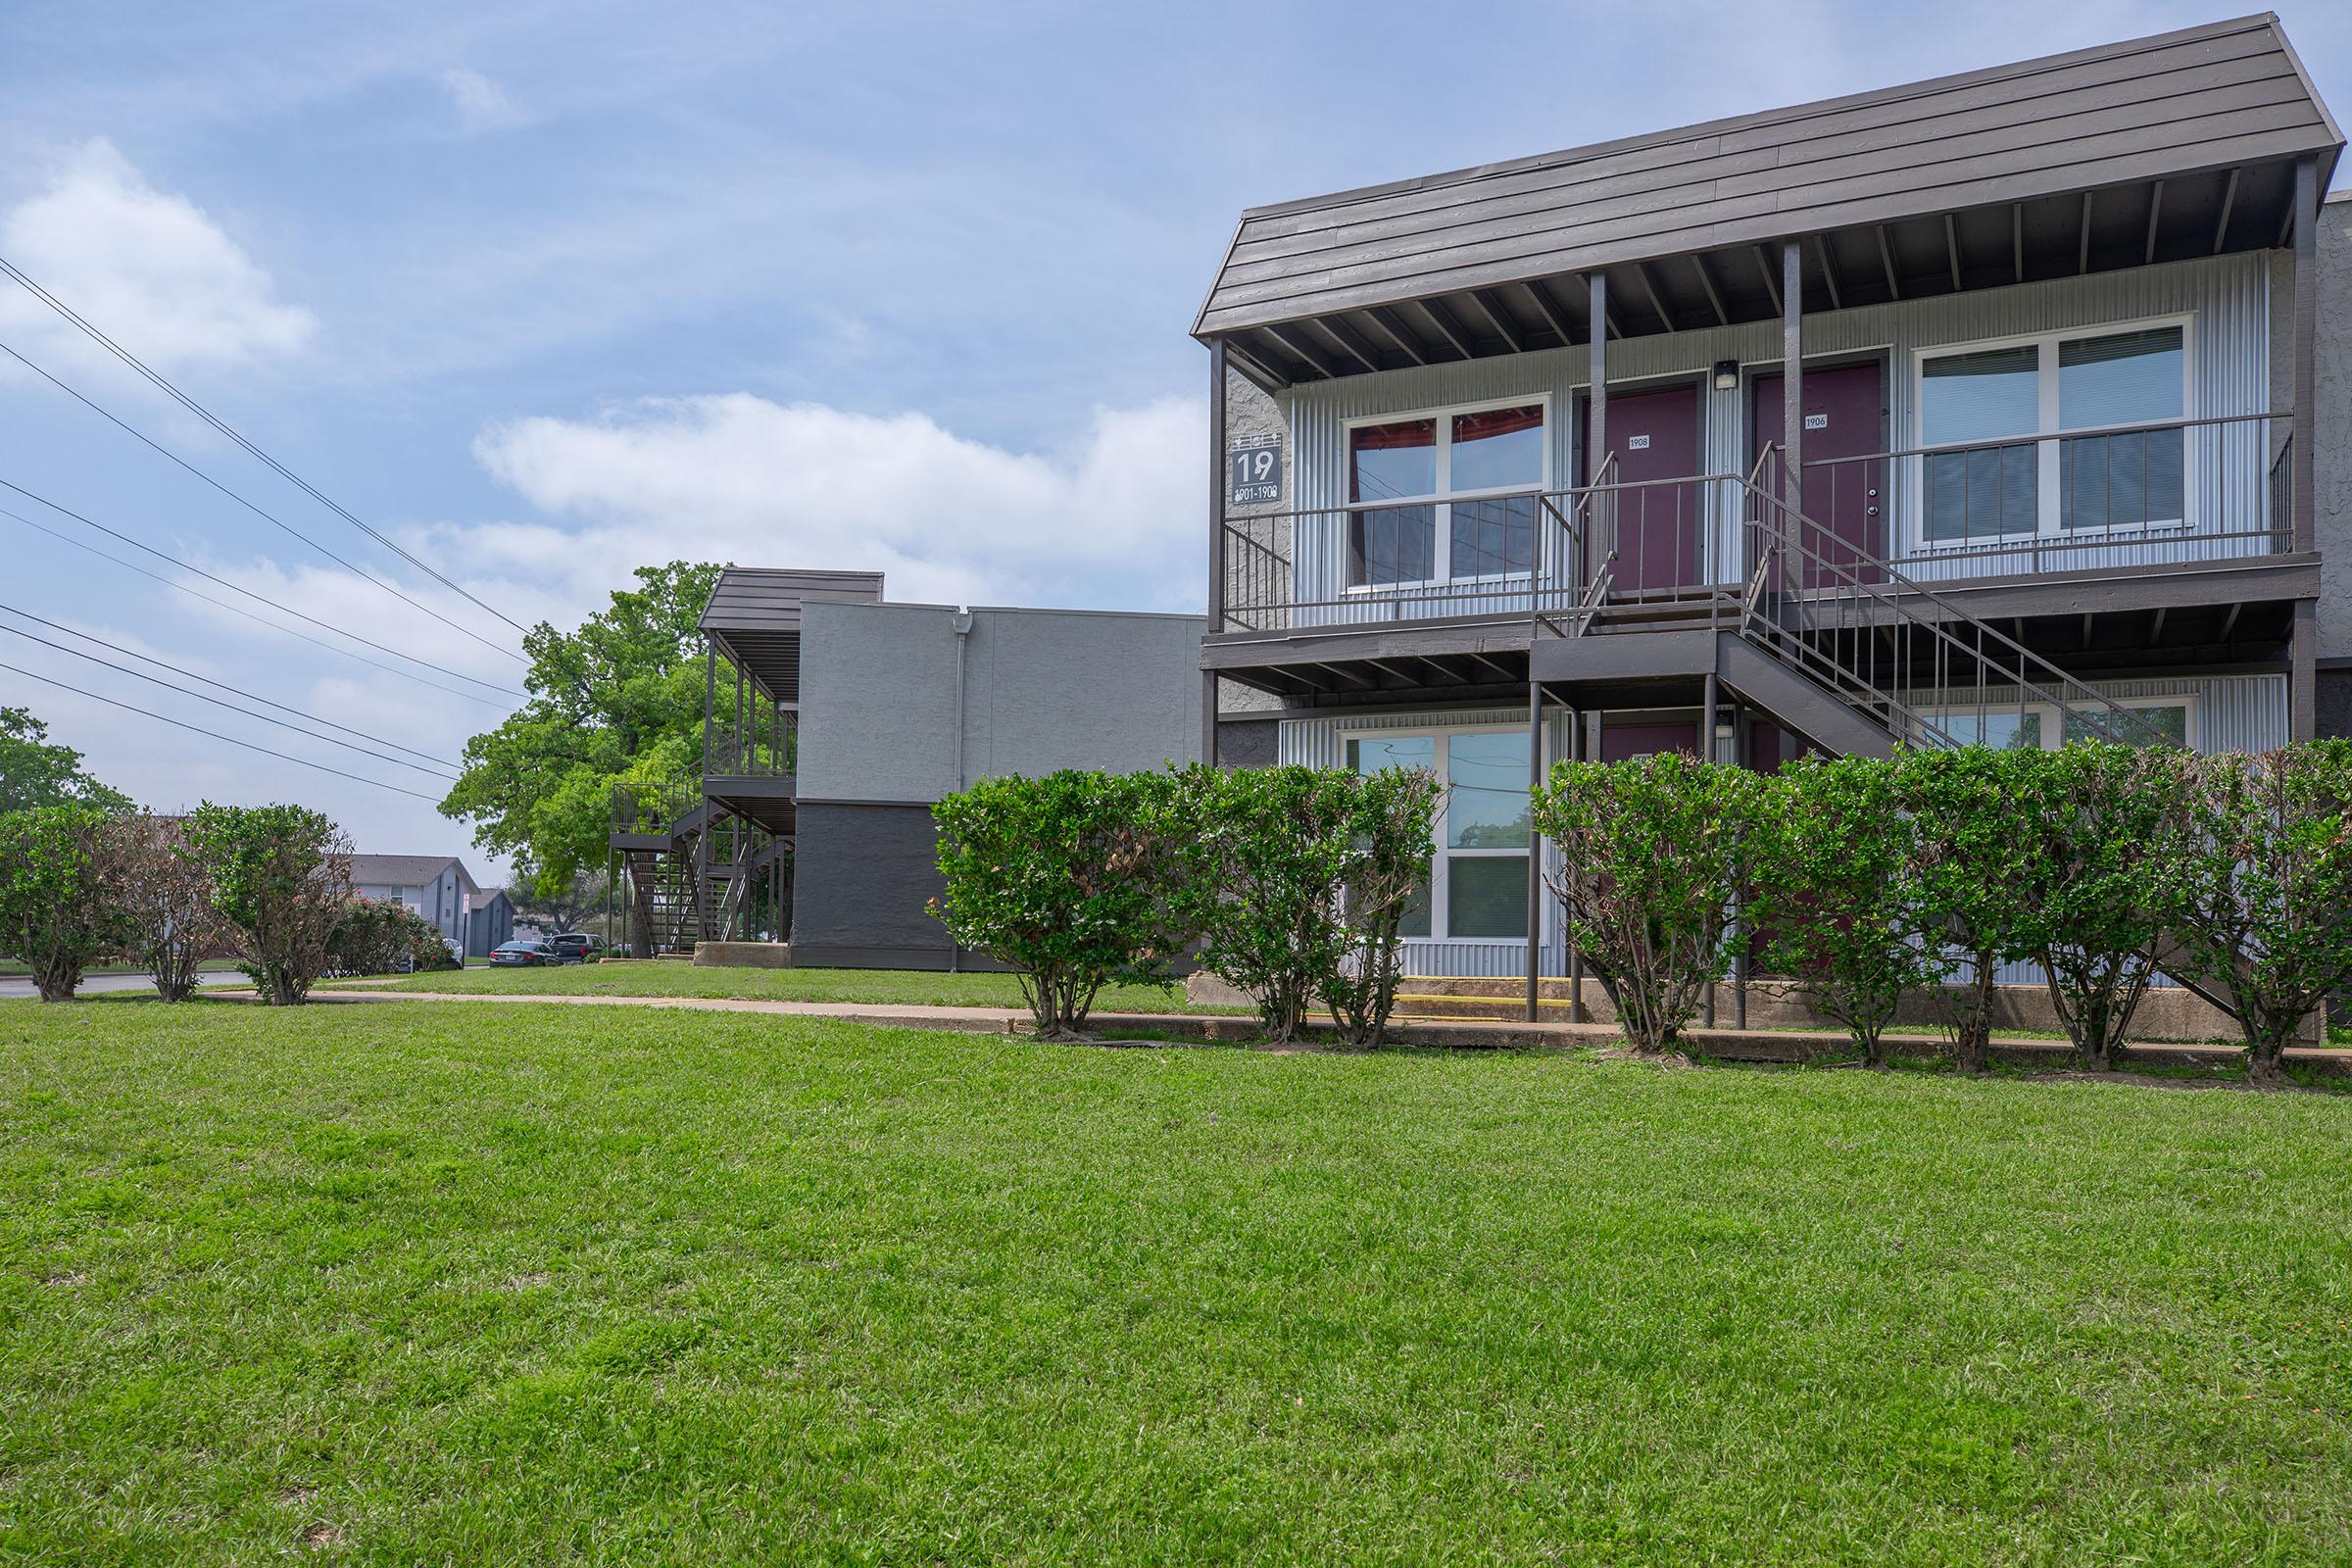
(1068, 880)
(280, 876)
(385, 936)
(166, 902)
(2095, 822)
(2257, 896)
(1839, 891)
(59, 893)
(1650, 867)
(1298, 880)
(1971, 864)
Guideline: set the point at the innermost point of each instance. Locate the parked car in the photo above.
(528, 951)
(578, 946)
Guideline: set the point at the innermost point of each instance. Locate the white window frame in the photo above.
(2049, 451)
(1441, 502)
(1441, 884)
(2054, 726)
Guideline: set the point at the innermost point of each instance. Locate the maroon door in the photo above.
(1622, 743)
(1656, 437)
(1846, 416)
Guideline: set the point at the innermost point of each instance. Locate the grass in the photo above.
(671, 978)
(640, 1285)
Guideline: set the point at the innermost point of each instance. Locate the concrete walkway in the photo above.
(1763, 1046)
(20, 988)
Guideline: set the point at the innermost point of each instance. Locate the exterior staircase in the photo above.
(690, 865)
(1836, 644)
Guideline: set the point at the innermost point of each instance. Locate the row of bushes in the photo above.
(268, 886)
(1864, 882)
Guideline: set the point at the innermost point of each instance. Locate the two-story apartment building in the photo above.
(1987, 409)
(435, 886)
(834, 720)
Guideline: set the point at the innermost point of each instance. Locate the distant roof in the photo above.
(2226, 96)
(483, 898)
(403, 870)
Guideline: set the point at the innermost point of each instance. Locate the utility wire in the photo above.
(263, 750)
(222, 603)
(441, 764)
(347, 566)
(219, 701)
(206, 416)
(111, 533)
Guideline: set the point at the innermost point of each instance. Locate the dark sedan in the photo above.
(526, 951)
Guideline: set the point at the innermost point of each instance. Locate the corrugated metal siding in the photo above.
(2228, 296)
(2228, 712)
(1319, 742)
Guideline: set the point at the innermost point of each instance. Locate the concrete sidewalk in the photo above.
(1762, 1046)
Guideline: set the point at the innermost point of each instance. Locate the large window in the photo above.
(1478, 856)
(1444, 497)
(2001, 488)
(2158, 720)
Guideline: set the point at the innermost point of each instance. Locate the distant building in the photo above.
(490, 921)
(436, 886)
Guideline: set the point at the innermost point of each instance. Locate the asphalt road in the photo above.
(17, 988)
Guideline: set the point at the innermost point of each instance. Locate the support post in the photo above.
(1740, 759)
(1216, 541)
(1706, 749)
(1579, 750)
(710, 697)
(1792, 378)
(1535, 841)
(2303, 681)
(1596, 422)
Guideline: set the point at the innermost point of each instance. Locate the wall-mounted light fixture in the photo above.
(1726, 376)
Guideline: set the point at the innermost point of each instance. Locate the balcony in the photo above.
(2190, 517)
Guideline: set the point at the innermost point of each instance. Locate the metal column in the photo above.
(1535, 840)
(1596, 414)
(2302, 681)
(1792, 378)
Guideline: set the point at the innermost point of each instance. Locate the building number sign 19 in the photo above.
(1254, 470)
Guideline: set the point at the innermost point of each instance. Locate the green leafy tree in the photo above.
(281, 878)
(33, 771)
(1299, 879)
(617, 701)
(166, 901)
(59, 893)
(1068, 880)
(2257, 898)
(2095, 821)
(1972, 862)
(1841, 892)
(385, 936)
(1651, 860)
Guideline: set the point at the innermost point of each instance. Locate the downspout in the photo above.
(963, 778)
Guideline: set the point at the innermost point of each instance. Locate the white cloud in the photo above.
(149, 267)
(482, 104)
(1113, 520)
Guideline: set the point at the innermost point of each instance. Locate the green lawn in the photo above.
(671, 978)
(440, 1283)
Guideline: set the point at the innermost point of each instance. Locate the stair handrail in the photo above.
(1891, 592)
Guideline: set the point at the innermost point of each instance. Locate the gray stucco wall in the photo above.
(878, 744)
(1043, 689)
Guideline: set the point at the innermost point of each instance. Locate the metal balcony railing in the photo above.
(2174, 492)
(765, 745)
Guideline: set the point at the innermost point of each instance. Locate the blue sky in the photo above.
(547, 291)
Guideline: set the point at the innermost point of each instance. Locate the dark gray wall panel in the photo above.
(1248, 743)
(861, 877)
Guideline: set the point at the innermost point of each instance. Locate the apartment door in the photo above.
(1622, 743)
(1846, 416)
(1657, 528)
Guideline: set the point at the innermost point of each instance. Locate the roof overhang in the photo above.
(2155, 150)
(754, 619)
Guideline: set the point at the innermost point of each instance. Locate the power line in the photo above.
(206, 416)
(351, 567)
(263, 750)
(156, 680)
(222, 603)
(441, 764)
(69, 511)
